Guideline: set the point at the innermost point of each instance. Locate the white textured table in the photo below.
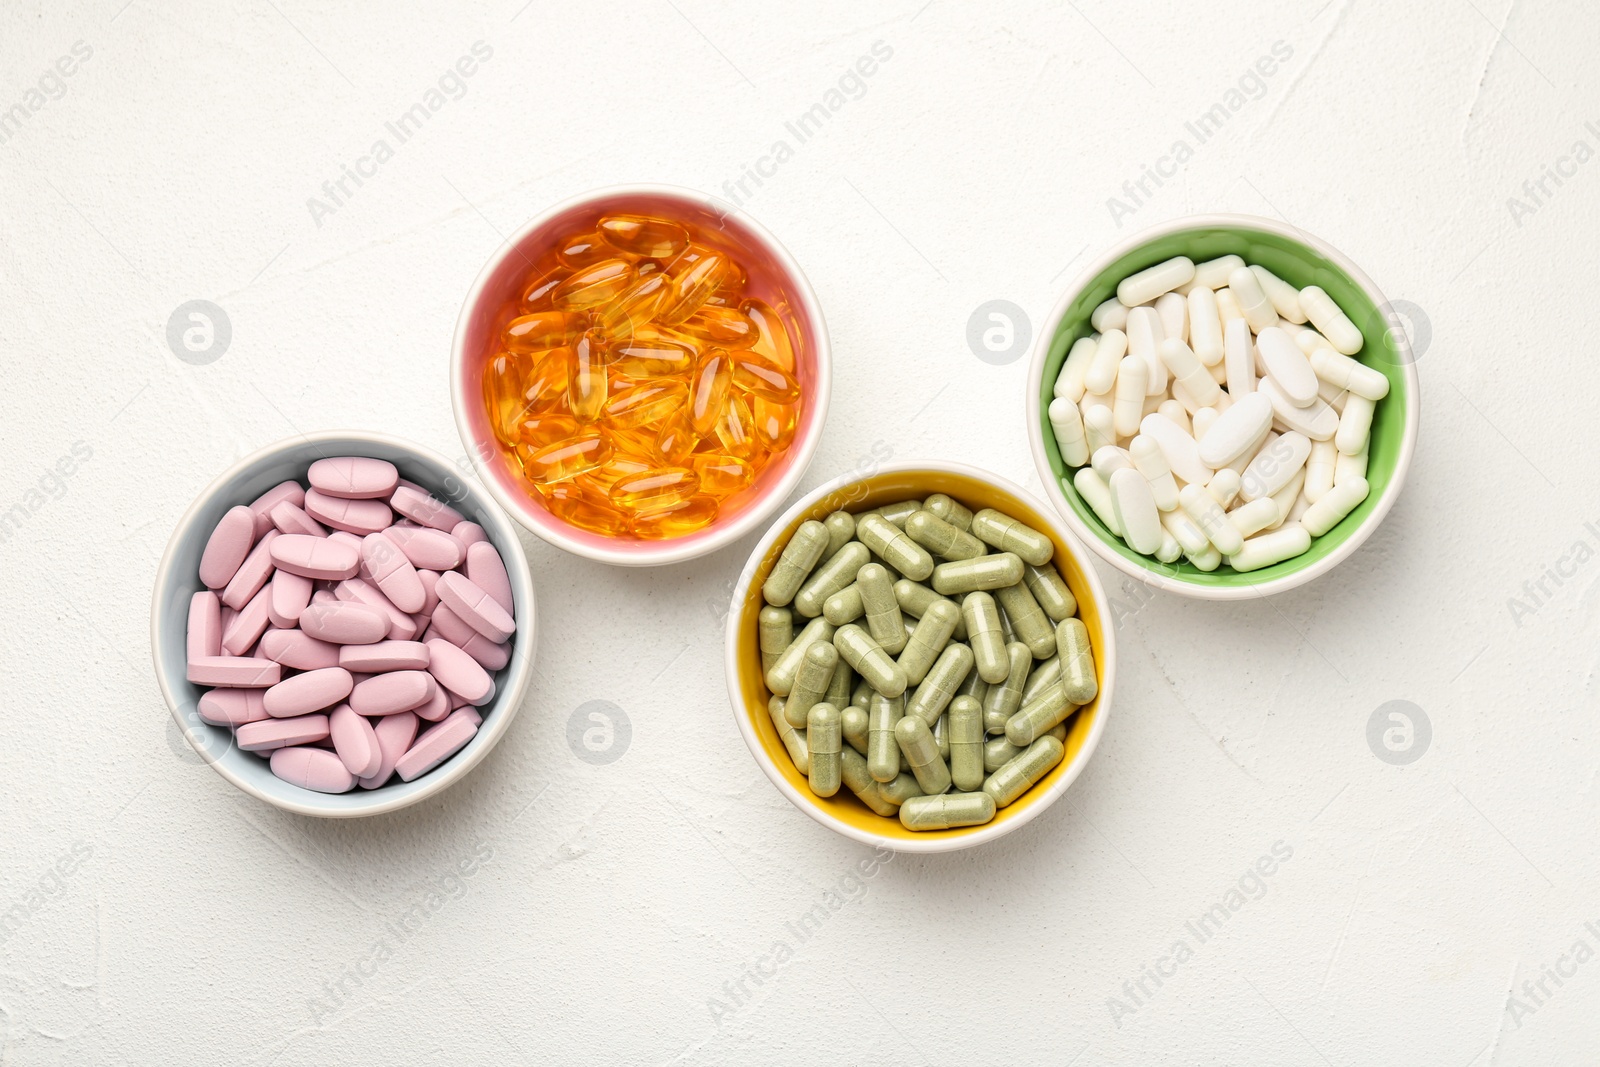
(653, 909)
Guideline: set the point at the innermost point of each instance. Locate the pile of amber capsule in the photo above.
(638, 388)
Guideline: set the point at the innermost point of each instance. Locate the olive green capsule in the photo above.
(1059, 732)
(811, 682)
(837, 572)
(781, 675)
(862, 693)
(1023, 772)
(937, 689)
(845, 606)
(1045, 673)
(1036, 718)
(1006, 534)
(1006, 632)
(896, 513)
(776, 629)
(1077, 661)
(1005, 698)
(853, 769)
(974, 687)
(853, 725)
(841, 529)
(883, 754)
(869, 660)
(825, 741)
(982, 573)
(941, 736)
(876, 590)
(950, 510)
(945, 812)
(1028, 621)
(798, 557)
(932, 634)
(914, 599)
(966, 743)
(997, 752)
(922, 752)
(897, 550)
(942, 539)
(983, 634)
(840, 684)
(1050, 591)
(792, 739)
(898, 790)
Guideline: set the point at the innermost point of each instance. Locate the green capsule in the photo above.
(941, 736)
(914, 599)
(928, 639)
(974, 687)
(869, 660)
(841, 530)
(853, 770)
(776, 629)
(883, 754)
(837, 572)
(897, 550)
(1059, 732)
(966, 743)
(1077, 661)
(997, 752)
(792, 739)
(898, 790)
(1005, 698)
(862, 693)
(945, 812)
(853, 725)
(922, 752)
(840, 684)
(811, 682)
(988, 643)
(937, 689)
(1023, 772)
(950, 510)
(972, 575)
(781, 675)
(1006, 534)
(1050, 591)
(896, 513)
(1045, 673)
(1007, 634)
(845, 606)
(1028, 621)
(1036, 718)
(824, 739)
(876, 590)
(942, 539)
(798, 557)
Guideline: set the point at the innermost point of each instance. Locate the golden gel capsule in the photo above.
(736, 430)
(853, 724)
(937, 689)
(583, 250)
(883, 753)
(870, 661)
(643, 235)
(1028, 622)
(678, 519)
(675, 441)
(728, 327)
(536, 297)
(795, 562)
(922, 752)
(1050, 591)
(898, 550)
(578, 509)
(824, 739)
(723, 475)
(695, 282)
(1005, 698)
(544, 329)
(984, 635)
(811, 682)
(833, 575)
(635, 306)
(928, 639)
(654, 488)
(546, 383)
(1008, 535)
(876, 591)
(648, 403)
(941, 538)
(650, 357)
(590, 385)
(965, 730)
(772, 336)
(950, 510)
(567, 459)
(760, 376)
(792, 739)
(857, 779)
(946, 812)
(1077, 661)
(774, 424)
(534, 432)
(1024, 771)
(594, 284)
(713, 376)
(502, 395)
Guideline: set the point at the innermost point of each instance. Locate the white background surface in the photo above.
(198, 926)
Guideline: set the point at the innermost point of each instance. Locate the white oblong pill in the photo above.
(1317, 420)
(1183, 454)
(1135, 508)
(1274, 466)
(1330, 321)
(1242, 425)
(1285, 364)
(1097, 495)
(1099, 428)
(1145, 285)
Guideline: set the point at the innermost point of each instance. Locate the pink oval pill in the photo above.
(353, 477)
(290, 593)
(486, 570)
(384, 656)
(205, 625)
(291, 520)
(468, 533)
(436, 745)
(392, 572)
(395, 691)
(401, 626)
(316, 557)
(459, 672)
(430, 590)
(312, 768)
(475, 606)
(345, 623)
(354, 741)
(262, 505)
(266, 734)
(227, 547)
(353, 516)
(308, 692)
(437, 707)
(231, 707)
(448, 625)
(422, 507)
(247, 627)
(252, 574)
(427, 548)
(395, 734)
(301, 651)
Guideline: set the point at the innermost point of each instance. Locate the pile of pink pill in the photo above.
(339, 620)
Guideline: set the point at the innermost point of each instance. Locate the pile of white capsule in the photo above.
(1217, 414)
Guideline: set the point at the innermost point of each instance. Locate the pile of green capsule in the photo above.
(937, 659)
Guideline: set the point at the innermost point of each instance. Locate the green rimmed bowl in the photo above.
(1301, 260)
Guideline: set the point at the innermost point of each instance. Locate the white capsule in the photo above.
(1317, 421)
(1205, 326)
(1204, 419)
(1068, 427)
(1099, 428)
(1170, 550)
(1127, 407)
(1135, 509)
(1206, 513)
(1152, 463)
(1218, 372)
(1214, 273)
(1244, 424)
(1174, 312)
(1270, 548)
(1110, 459)
(1319, 470)
(1188, 371)
(1258, 515)
(1286, 365)
(1110, 315)
(1097, 495)
(1094, 400)
(1308, 339)
(1328, 512)
(1238, 358)
(1275, 465)
(1330, 321)
(1146, 285)
(1331, 394)
(1069, 383)
(1224, 486)
(1183, 396)
(1344, 372)
(1190, 537)
(1285, 297)
(1102, 375)
(1355, 424)
(1296, 513)
(1228, 309)
(1209, 559)
(1288, 497)
(1176, 412)
(1144, 335)
(1346, 468)
(1183, 455)
(1257, 309)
